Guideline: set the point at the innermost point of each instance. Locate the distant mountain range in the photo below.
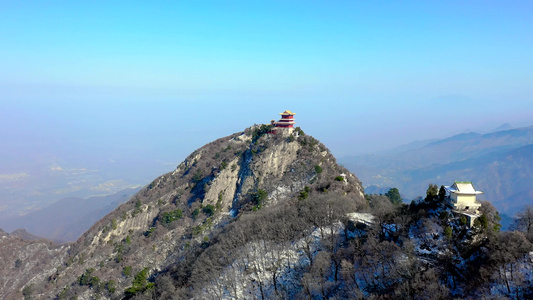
(499, 163)
(66, 219)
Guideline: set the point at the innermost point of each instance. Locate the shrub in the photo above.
(290, 138)
(219, 201)
(138, 209)
(94, 282)
(259, 196)
(168, 217)
(223, 165)
(148, 232)
(318, 169)
(27, 291)
(111, 286)
(260, 131)
(195, 213)
(482, 221)
(63, 293)
(339, 178)
(200, 228)
(127, 271)
(119, 249)
(394, 196)
(209, 210)
(448, 232)
(299, 131)
(86, 278)
(197, 177)
(140, 284)
(196, 230)
(304, 193)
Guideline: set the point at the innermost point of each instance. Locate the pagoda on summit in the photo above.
(286, 121)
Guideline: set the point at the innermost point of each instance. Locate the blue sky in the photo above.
(162, 78)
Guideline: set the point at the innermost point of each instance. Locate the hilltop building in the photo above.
(461, 197)
(286, 121)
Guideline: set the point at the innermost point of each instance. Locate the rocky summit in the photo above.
(237, 218)
(267, 213)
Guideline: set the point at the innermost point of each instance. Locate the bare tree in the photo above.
(316, 281)
(524, 222)
(506, 254)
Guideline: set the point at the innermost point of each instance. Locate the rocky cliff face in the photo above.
(170, 223)
(26, 262)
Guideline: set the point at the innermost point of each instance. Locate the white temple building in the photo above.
(462, 197)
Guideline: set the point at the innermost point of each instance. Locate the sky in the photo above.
(154, 80)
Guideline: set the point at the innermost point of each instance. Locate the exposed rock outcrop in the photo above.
(26, 261)
(176, 216)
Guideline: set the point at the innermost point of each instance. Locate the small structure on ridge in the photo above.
(461, 197)
(286, 121)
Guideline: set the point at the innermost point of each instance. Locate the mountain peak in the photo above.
(503, 127)
(264, 171)
(23, 234)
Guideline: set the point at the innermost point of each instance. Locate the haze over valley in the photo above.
(266, 150)
(499, 162)
(90, 106)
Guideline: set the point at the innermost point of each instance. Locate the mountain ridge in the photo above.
(468, 156)
(257, 215)
(177, 214)
(66, 219)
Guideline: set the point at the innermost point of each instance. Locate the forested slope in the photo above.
(262, 216)
(180, 214)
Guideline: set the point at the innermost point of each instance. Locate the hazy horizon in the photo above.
(103, 92)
